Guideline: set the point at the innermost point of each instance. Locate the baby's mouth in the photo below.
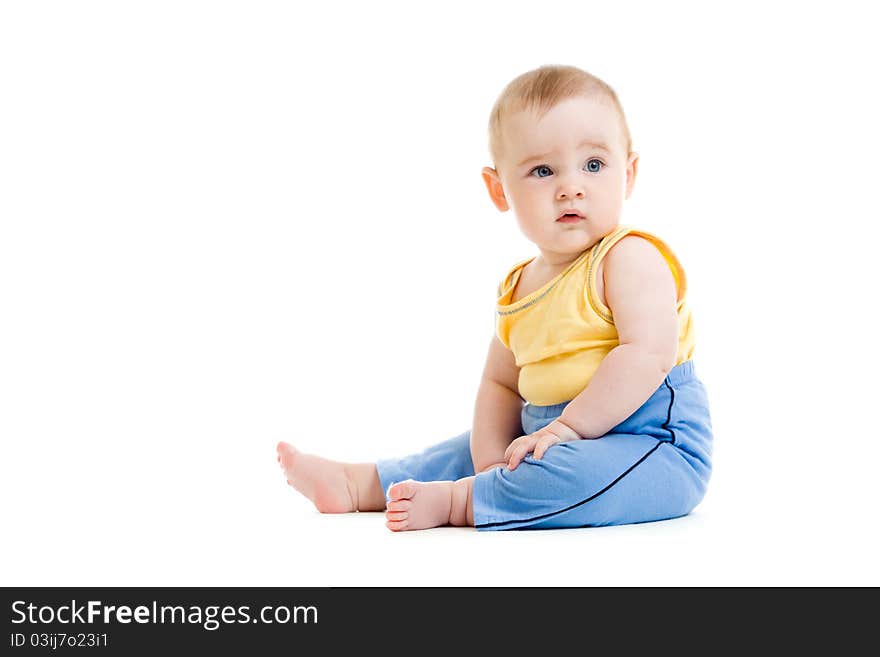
(570, 218)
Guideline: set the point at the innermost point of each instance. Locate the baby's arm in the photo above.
(498, 408)
(640, 291)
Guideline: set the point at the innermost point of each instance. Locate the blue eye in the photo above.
(593, 166)
(539, 168)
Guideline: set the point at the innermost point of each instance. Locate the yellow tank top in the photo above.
(561, 332)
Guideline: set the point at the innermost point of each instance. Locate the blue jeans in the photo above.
(654, 465)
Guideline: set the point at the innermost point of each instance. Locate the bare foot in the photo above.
(419, 505)
(326, 483)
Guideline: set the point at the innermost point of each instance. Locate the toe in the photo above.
(402, 490)
(396, 526)
(286, 454)
(284, 449)
(399, 505)
(397, 515)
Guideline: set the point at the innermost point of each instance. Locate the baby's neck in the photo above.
(555, 263)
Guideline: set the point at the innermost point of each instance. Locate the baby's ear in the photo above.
(632, 169)
(496, 190)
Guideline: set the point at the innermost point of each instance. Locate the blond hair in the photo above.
(540, 90)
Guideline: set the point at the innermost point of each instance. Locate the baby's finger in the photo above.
(540, 448)
(544, 445)
(511, 447)
(518, 455)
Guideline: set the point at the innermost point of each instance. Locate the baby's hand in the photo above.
(538, 442)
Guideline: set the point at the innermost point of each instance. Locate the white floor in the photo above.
(259, 532)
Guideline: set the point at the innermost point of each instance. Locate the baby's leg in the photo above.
(426, 504)
(654, 465)
(336, 487)
(332, 486)
(614, 480)
(449, 460)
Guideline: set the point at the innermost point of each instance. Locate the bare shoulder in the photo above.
(637, 278)
(634, 257)
(634, 252)
(640, 290)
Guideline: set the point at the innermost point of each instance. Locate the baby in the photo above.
(589, 411)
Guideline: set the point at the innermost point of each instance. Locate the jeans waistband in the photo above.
(678, 375)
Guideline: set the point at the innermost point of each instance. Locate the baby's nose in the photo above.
(566, 193)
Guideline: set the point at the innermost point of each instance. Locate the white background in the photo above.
(229, 223)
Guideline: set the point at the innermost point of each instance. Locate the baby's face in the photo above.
(573, 157)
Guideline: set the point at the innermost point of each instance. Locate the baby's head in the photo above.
(559, 141)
